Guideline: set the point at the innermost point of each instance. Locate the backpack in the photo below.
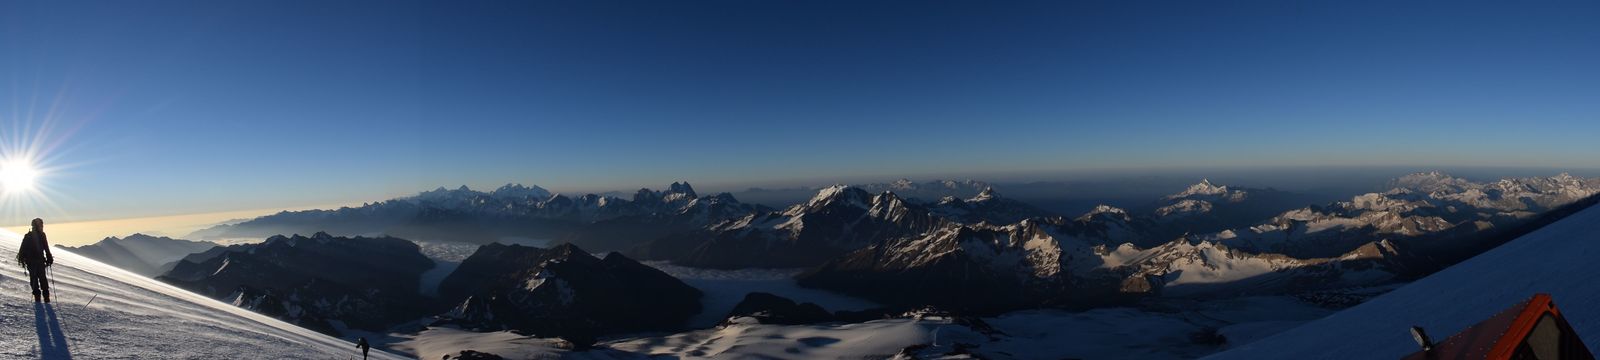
(29, 251)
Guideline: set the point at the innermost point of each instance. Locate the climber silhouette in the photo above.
(34, 255)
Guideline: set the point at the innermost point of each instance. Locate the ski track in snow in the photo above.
(135, 317)
(1559, 259)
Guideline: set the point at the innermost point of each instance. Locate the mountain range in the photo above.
(1430, 221)
(512, 211)
(336, 284)
(982, 254)
(320, 282)
(142, 254)
(1206, 238)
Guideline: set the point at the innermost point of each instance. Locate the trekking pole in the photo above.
(91, 300)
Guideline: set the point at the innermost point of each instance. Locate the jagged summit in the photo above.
(680, 187)
(676, 193)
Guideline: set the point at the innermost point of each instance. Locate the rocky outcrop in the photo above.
(767, 308)
(564, 292)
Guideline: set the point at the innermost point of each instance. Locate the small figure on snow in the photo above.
(361, 343)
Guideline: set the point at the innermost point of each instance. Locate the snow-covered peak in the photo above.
(1105, 210)
(839, 195)
(887, 205)
(987, 194)
(1432, 181)
(1204, 187)
(518, 191)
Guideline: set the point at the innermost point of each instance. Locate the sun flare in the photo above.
(17, 177)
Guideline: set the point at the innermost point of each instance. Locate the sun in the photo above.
(17, 177)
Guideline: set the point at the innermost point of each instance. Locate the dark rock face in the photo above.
(772, 309)
(472, 355)
(564, 292)
(367, 283)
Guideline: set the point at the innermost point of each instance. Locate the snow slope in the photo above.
(135, 317)
(1558, 259)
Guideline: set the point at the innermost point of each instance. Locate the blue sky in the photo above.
(174, 107)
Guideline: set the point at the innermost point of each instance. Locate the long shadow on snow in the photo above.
(52, 342)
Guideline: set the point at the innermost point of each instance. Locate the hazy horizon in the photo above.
(1126, 188)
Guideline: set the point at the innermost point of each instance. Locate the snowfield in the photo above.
(1111, 333)
(135, 317)
(1559, 259)
(875, 339)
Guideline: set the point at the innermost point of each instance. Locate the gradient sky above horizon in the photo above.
(174, 107)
